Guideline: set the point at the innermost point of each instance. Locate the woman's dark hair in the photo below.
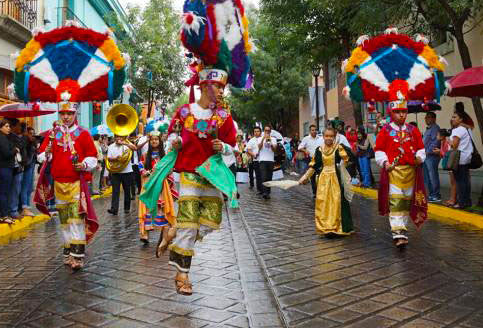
(362, 132)
(459, 109)
(464, 116)
(149, 155)
(4, 122)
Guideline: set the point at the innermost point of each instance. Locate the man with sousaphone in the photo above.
(122, 120)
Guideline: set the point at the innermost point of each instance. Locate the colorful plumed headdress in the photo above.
(394, 68)
(70, 64)
(216, 32)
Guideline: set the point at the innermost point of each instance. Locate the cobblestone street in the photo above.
(265, 268)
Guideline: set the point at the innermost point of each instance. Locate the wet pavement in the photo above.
(362, 280)
(266, 267)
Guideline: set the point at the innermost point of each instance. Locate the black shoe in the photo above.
(259, 193)
(266, 196)
(110, 211)
(251, 187)
(127, 211)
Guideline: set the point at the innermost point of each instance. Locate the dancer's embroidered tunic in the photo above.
(200, 203)
(332, 208)
(146, 221)
(399, 146)
(70, 201)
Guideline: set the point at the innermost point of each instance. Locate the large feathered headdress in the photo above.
(70, 64)
(216, 32)
(394, 68)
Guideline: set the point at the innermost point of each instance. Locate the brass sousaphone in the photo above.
(122, 119)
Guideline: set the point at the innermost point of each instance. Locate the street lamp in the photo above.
(316, 73)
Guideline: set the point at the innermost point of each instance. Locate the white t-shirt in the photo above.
(465, 146)
(341, 139)
(144, 149)
(229, 158)
(311, 144)
(266, 153)
(115, 150)
(252, 146)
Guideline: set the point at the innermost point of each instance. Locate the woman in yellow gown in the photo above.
(332, 208)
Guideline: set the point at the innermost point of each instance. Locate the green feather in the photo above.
(19, 80)
(118, 81)
(224, 58)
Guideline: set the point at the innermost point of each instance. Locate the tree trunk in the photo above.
(466, 61)
(357, 109)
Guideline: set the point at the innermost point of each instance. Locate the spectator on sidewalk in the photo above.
(443, 136)
(7, 163)
(461, 140)
(308, 145)
(267, 146)
(431, 163)
(16, 138)
(29, 169)
(363, 156)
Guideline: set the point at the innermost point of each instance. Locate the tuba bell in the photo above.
(122, 119)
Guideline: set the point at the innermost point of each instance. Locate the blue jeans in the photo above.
(431, 176)
(365, 165)
(301, 166)
(6, 178)
(463, 185)
(27, 185)
(14, 197)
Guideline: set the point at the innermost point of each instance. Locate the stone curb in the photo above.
(7, 230)
(438, 212)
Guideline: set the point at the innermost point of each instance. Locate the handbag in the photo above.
(451, 160)
(476, 161)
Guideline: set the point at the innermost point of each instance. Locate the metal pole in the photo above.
(317, 103)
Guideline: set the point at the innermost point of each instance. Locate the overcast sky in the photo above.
(177, 3)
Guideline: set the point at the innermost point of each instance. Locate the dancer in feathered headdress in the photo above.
(216, 33)
(394, 68)
(68, 65)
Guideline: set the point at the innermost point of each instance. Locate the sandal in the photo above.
(183, 287)
(401, 243)
(76, 263)
(449, 203)
(165, 237)
(7, 220)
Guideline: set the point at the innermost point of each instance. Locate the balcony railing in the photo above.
(68, 14)
(23, 11)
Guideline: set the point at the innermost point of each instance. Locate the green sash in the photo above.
(213, 169)
(219, 175)
(154, 186)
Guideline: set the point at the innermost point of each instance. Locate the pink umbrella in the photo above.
(17, 110)
(468, 83)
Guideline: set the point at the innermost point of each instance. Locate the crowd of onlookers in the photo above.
(437, 141)
(18, 156)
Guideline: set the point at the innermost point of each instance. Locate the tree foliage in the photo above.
(281, 77)
(154, 48)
